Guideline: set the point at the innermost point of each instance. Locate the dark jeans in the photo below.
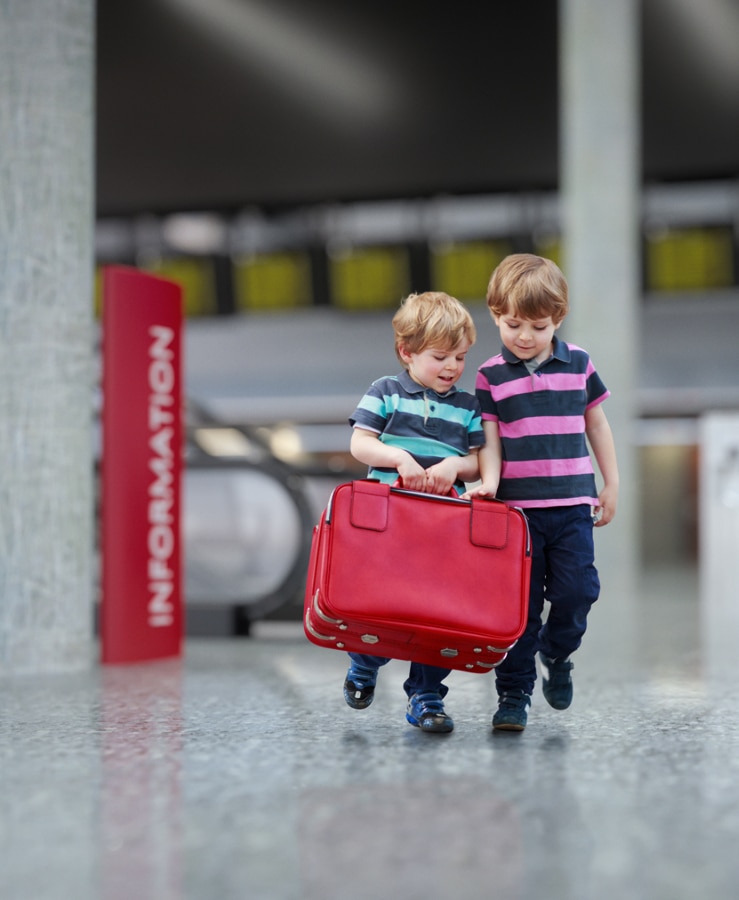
(564, 574)
(420, 678)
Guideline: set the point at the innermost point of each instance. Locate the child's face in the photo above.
(527, 338)
(437, 368)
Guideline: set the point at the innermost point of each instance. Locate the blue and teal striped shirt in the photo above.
(429, 426)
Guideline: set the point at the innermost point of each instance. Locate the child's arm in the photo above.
(600, 437)
(490, 459)
(367, 448)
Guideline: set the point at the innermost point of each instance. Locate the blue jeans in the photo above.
(564, 574)
(420, 678)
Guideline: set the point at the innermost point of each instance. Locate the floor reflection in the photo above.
(141, 788)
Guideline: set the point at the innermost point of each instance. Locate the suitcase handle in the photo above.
(488, 519)
(398, 488)
(447, 498)
(372, 488)
(379, 487)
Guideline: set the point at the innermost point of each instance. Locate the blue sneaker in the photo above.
(359, 686)
(557, 684)
(511, 714)
(426, 711)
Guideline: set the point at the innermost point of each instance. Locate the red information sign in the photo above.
(141, 611)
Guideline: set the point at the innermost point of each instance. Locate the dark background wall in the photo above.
(222, 104)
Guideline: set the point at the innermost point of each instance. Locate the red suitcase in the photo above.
(406, 575)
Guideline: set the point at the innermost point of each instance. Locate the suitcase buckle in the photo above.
(449, 651)
(370, 639)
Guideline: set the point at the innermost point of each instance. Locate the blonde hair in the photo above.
(528, 286)
(431, 319)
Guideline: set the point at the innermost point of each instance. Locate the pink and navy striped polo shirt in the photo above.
(541, 420)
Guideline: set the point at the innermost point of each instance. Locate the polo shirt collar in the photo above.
(560, 351)
(413, 387)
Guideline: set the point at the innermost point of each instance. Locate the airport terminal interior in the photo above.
(296, 168)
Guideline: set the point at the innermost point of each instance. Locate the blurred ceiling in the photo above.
(225, 104)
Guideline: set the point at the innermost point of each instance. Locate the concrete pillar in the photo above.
(46, 338)
(600, 192)
(719, 538)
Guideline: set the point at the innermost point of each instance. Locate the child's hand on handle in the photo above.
(482, 490)
(411, 475)
(437, 479)
(441, 477)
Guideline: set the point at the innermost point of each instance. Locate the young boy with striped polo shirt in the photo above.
(417, 428)
(541, 399)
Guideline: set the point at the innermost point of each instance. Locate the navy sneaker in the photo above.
(359, 686)
(426, 711)
(511, 714)
(556, 685)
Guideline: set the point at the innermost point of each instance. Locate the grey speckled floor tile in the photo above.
(239, 772)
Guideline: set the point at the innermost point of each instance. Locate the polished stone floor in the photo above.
(239, 772)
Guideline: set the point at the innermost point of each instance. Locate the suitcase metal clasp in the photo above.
(449, 651)
(370, 639)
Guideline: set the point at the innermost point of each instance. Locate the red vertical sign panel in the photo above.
(141, 611)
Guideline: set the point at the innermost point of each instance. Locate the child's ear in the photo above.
(403, 353)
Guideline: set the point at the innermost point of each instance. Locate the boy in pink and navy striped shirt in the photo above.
(541, 401)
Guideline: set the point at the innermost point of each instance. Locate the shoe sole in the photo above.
(558, 705)
(434, 729)
(506, 726)
(554, 703)
(355, 703)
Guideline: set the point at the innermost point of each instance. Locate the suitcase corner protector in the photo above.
(312, 631)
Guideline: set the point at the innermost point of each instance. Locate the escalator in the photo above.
(247, 526)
